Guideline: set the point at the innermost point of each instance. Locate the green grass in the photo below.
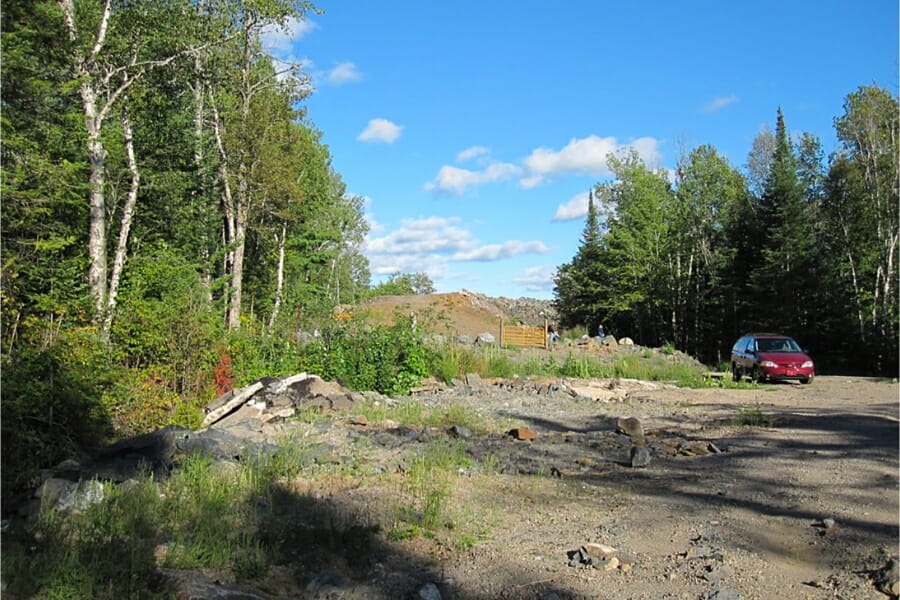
(206, 518)
(752, 416)
(647, 365)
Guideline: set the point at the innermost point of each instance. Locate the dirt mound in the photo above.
(462, 313)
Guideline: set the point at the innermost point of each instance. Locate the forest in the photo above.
(172, 222)
(798, 244)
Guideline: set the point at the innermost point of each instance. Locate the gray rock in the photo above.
(640, 457)
(474, 380)
(429, 591)
(67, 496)
(630, 426)
(458, 431)
(887, 579)
(485, 338)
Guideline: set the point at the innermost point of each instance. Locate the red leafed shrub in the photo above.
(223, 375)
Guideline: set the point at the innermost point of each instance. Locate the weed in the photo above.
(403, 532)
(752, 416)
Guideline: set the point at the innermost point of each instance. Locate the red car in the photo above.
(770, 357)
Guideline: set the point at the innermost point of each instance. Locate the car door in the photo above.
(748, 354)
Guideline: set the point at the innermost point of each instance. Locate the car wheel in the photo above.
(756, 375)
(806, 380)
(735, 373)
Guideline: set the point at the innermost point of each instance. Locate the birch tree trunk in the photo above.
(125, 225)
(279, 276)
(83, 70)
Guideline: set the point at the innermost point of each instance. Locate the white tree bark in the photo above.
(125, 225)
(279, 283)
(83, 68)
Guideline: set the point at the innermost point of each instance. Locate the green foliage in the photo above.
(429, 484)
(52, 404)
(752, 416)
(255, 354)
(164, 320)
(388, 359)
(404, 284)
(454, 361)
(207, 517)
(577, 284)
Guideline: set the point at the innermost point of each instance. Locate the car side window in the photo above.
(751, 345)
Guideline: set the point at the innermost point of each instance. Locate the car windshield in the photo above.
(778, 345)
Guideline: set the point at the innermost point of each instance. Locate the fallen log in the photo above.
(238, 399)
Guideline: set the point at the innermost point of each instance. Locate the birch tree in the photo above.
(863, 207)
(113, 46)
(241, 122)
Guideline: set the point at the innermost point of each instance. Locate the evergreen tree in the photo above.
(636, 291)
(785, 278)
(576, 285)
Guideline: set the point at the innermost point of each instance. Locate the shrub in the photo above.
(388, 359)
(52, 404)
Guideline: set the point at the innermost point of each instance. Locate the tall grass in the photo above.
(202, 517)
(452, 361)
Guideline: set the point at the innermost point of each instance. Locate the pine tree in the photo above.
(577, 283)
(784, 278)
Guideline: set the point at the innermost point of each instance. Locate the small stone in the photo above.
(718, 574)
(630, 426)
(429, 591)
(640, 457)
(523, 434)
(887, 579)
(626, 561)
(611, 564)
(359, 420)
(601, 551)
(474, 380)
(458, 431)
(828, 523)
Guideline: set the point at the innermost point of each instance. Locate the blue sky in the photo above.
(474, 129)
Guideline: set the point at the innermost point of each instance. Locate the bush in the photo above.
(52, 404)
(388, 359)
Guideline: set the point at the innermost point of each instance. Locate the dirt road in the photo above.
(800, 502)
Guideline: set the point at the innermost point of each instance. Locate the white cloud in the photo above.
(345, 72)
(718, 103)
(492, 252)
(648, 149)
(380, 130)
(280, 40)
(575, 208)
(422, 237)
(585, 156)
(470, 153)
(432, 245)
(536, 279)
(454, 180)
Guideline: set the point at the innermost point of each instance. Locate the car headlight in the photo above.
(768, 364)
(807, 365)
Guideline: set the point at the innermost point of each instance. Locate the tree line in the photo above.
(796, 243)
